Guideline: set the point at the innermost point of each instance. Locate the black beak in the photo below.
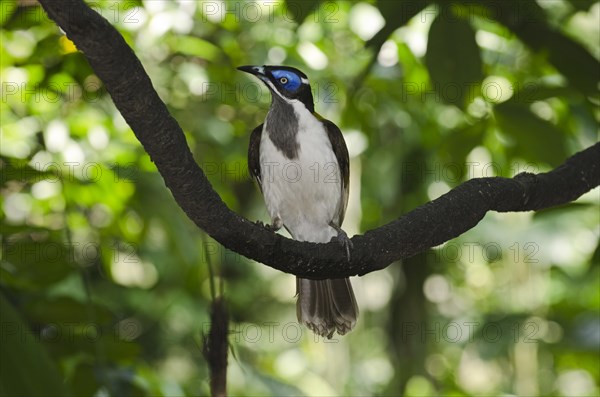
(258, 71)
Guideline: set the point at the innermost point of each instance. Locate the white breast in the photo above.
(305, 193)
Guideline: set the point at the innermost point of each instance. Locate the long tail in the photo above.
(325, 306)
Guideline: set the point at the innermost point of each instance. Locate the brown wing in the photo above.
(254, 154)
(341, 154)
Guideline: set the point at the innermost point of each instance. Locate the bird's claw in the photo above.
(344, 240)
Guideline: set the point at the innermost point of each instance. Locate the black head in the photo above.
(284, 82)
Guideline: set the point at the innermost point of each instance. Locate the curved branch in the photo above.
(427, 226)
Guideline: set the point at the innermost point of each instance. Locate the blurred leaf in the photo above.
(582, 5)
(9, 230)
(596, 257)
(453, 59)
(301, 9)
(75, 68)
(567, 209)
(538, 92)
(459, 143)
(8, 9)
(194, 46)
(118, 350)
(67, 311)
(12, 169)
(102, 343)
(572, 60)
(395, 15)
(537, 140)
(84, 381)
(33, 264)
(26, 369)
(528, 20)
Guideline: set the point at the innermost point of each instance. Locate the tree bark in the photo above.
(215, 347)
(427, 226)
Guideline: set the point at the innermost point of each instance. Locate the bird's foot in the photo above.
(343, 239)
(275, 226)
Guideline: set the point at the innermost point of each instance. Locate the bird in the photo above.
(301, 163)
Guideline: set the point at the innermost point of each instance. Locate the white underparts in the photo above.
(305, 192)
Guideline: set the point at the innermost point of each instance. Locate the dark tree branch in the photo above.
(427, 226)
(215, 347)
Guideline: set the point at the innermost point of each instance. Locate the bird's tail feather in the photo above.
(326, 306)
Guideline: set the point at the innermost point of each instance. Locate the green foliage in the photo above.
(512, 119)
(453, 59)
(106, 284)
(24, 359)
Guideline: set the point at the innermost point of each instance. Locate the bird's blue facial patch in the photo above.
(288, 80)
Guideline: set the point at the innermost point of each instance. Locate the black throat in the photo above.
(282, 127)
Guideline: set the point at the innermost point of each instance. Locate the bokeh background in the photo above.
(106, 285)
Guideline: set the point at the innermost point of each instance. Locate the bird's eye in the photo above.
(283, 80)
